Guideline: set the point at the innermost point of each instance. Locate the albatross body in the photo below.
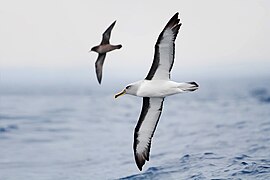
(154, 88)
(157, 88)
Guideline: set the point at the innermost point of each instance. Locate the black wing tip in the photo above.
(173, 21)
(109, 29)
(140, 158)
(140, 166)
(114, 22)
(99, 79)
(140, 161)
(175, 17)
(112, 25)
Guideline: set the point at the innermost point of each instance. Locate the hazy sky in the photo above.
(225, 37)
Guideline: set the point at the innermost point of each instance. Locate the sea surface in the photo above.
(221, 131)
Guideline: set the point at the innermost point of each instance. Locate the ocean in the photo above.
(221, 131)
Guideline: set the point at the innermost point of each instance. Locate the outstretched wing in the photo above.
(164, 51)
(145, 128)
(99, 66)
(107, 34)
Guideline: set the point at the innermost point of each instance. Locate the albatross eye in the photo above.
(128, 87)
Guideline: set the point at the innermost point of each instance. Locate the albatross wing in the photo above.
(107, 34)
(164, 51)
(145, 128)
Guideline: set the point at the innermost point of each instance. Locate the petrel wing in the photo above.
(99, 66)
(107, 34)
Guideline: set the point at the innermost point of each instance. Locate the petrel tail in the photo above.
(119, 46)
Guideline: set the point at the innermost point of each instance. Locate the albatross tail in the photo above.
(188, 86)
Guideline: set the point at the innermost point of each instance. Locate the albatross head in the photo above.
(129, 89)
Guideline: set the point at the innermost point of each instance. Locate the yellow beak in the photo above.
(120, 94)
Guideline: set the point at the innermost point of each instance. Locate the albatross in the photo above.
(154, 88)
(102, 49)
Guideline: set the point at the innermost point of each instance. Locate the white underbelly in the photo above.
(158, 88)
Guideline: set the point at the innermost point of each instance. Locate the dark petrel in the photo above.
(102, 49)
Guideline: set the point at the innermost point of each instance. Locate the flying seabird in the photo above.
(102, 49)
(154, 88)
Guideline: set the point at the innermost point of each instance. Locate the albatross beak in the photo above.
(120, 94)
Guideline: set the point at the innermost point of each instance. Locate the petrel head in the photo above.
(93, 49)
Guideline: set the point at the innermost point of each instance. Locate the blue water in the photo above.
(221, 131)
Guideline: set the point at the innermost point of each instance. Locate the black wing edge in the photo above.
(175, 25)
(107, 34)
(140, 160)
